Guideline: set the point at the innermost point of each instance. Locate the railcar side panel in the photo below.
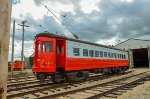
(83, 64)
(78, 61)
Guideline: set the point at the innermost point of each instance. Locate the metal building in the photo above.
(139, 51)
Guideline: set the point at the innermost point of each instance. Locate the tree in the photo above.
(5, 19)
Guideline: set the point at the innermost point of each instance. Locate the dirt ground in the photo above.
(140, 92)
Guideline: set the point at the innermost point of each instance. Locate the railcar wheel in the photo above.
(86, 76)
(57, 78)
(77, 76)
(53, 79)
(41, 76)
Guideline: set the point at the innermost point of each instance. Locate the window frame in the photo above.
(96, 53)
(91, 53)
(115, 56)
(105, 54)
(47, 49)
(85, 52)
(60, 49)
(101, 53)
(109, 54)
(76, 51)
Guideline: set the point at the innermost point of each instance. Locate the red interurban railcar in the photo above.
(72, 59)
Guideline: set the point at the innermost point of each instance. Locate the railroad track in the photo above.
(15, 86)
(35, 90)
(20, 79)
(27, 84)
(109, 89)
(118, 88)
(48, 82)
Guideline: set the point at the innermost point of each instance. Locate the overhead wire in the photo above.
(49, 9)
(31, 24)
(57, 18)
(66, 16)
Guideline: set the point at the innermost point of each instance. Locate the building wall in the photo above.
(130, 53)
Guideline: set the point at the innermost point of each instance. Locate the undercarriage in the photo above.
(77, 75)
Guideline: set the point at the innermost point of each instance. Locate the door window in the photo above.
(39, 48)
(59, 49)
(47, 47)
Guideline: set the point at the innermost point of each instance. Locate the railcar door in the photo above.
(61, 52)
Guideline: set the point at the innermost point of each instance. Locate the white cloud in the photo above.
(19, 11)
(89, 5)
(115, 22)
(111, 41)
(129, 1)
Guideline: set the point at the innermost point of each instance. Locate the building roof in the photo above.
(130, 39)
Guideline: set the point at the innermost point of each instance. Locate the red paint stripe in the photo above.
(86, 63)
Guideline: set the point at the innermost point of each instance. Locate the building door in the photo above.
(140, 57)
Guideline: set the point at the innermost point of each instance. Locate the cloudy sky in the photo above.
(106, 22)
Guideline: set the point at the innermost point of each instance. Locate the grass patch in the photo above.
(19, 74)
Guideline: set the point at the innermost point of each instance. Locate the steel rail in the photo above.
(86, 88)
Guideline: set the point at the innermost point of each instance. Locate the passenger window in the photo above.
(105, 54)
(85, 52)
(118, 56)
(124, 56)
(96, 54)
(111, 55)
(115, 55)
(76, 51)
(108, 54)
(91, 53)
(101, 53)
(47, 46)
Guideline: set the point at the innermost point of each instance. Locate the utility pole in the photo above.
(22, 50)
(12, 56)
(5, 19)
